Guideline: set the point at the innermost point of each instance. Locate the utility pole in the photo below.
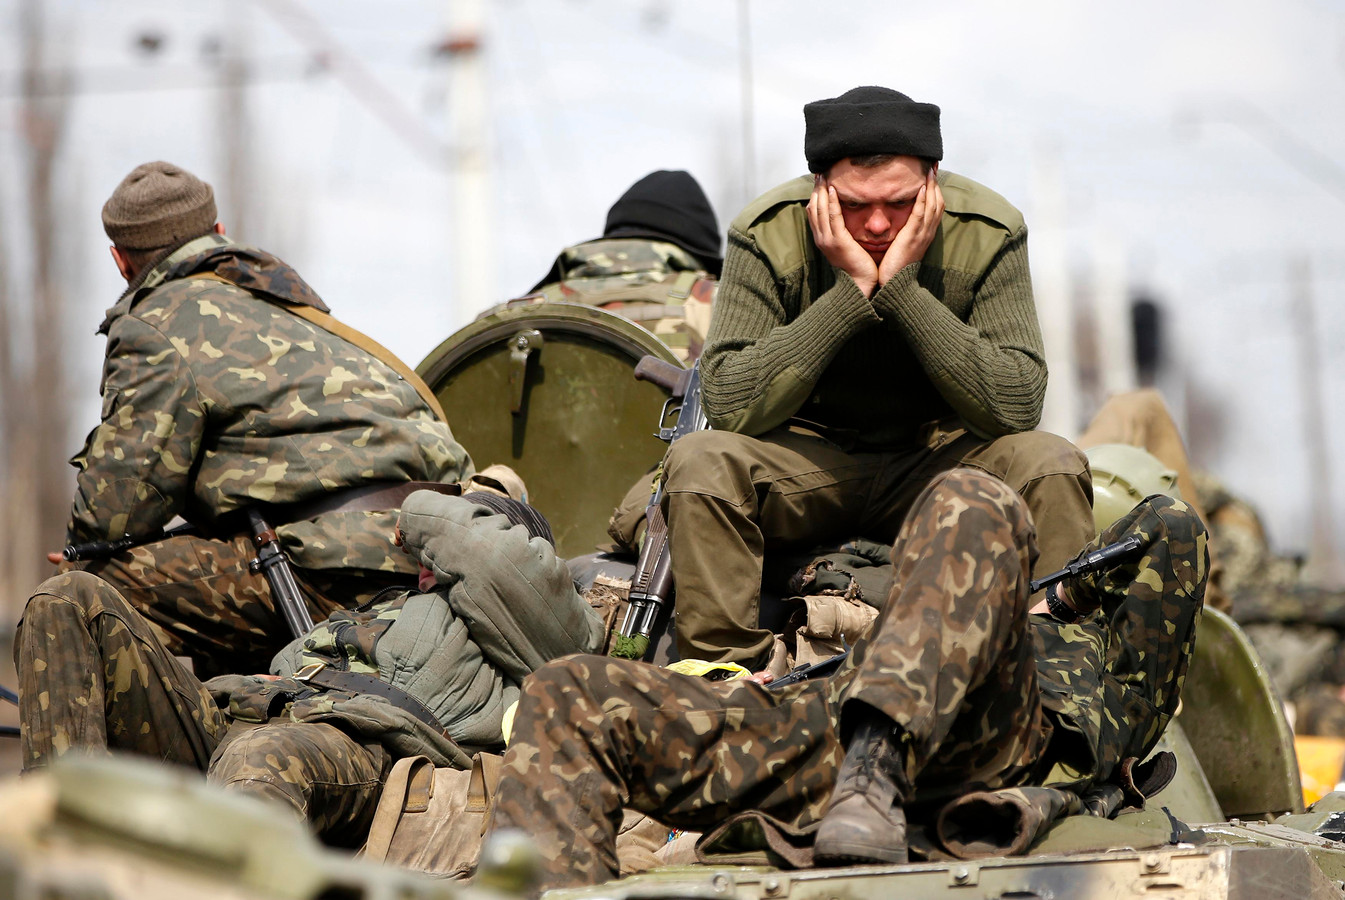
(1323, 568)
(1055, 307)
(748, 100)
(473, 251)
(1115, 328)
(235, 124)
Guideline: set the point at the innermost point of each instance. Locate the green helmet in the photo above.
(1123, 475)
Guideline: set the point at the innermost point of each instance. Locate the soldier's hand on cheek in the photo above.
(835, 242)
(918, 233)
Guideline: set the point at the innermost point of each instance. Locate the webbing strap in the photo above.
(358, 338)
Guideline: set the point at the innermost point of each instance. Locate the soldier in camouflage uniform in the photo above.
(956, 688)
(219, 393)
(419, 672)
(656, 262)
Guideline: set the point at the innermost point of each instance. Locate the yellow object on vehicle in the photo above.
(1320, 761)
(714, 671)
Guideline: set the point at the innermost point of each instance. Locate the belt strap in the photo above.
(358, 338)
(375, 497)
(318, 675)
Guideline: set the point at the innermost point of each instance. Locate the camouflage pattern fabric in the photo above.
(1296, 626)
(951, 658)
(327, 777)
(215, 399)
(1113, 681)
(93, 677)
(653, 283)
(202, 602)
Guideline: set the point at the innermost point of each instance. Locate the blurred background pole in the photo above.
(1051, 288)
(473, 248)
(235, 125)
(745, 78)
(1114, 320)
(1323, 567)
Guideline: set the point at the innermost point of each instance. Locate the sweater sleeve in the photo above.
(763, 356)
(992, 368)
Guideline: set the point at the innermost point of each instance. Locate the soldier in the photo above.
(874, 326)
(418, 672)
(226, 386)
(954, 689)
(656, 262)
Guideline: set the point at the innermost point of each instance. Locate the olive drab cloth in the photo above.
(956, 333)
(653, 283)
(732, 497)
(985, 696)
(216, 398)
(832, 410)
(95, 676)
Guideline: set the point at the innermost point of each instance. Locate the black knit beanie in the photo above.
(669, 206)
(517, 512)
(866, 121)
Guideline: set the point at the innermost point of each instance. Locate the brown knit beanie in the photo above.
(158, 205)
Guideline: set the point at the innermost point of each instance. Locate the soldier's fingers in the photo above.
(936, 210)
(815, 206)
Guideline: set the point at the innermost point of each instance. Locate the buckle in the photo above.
(308, 671)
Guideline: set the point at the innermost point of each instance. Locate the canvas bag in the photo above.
(432, 818)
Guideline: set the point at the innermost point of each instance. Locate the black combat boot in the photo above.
(865, 822)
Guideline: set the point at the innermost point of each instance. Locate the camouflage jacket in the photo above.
(505, 604)
(653, 283)
(215, 397)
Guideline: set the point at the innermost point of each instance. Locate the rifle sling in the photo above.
(345, 332)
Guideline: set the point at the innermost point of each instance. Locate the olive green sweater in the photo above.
(956, 333)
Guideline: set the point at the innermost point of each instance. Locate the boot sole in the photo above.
(844, 853)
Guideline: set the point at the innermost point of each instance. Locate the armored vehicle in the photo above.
(547, 388)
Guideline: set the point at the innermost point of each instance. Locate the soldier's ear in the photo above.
(123, 263)
(219, 228)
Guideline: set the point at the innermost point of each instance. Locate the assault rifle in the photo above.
(270, 561)
(652, 585)
(104, 549)
(1101, 558)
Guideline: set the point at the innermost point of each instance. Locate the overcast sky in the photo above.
(1201, 142)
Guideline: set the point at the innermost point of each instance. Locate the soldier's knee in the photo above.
(254, 762)
(1032, 455)
(702, 458)
(963, 489)
(80, 590)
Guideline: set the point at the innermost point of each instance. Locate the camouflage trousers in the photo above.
(951, 659)
(94, 677)
(202, 602)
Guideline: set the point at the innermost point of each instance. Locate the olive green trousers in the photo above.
(732, 498)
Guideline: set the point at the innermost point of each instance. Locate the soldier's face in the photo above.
(876, 201)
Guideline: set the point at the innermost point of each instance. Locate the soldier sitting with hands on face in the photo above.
(416, 672)
(874, 326)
